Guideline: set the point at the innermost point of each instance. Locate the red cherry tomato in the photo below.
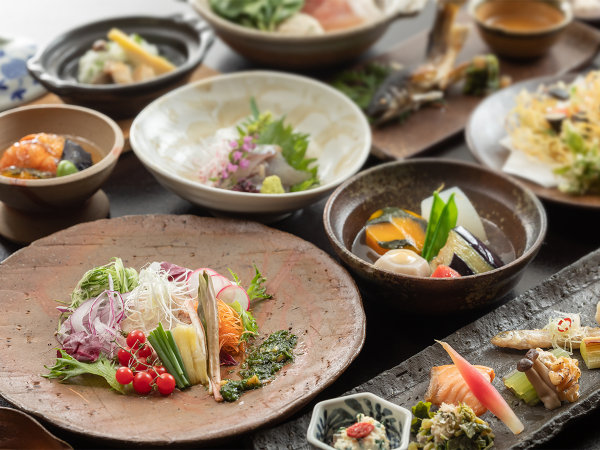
(142, 383)
(144, 351)
(124, 375)
(125, 357)
(165, 383)
(134, 337)
(140, 364)
(360, 430)
(156, 371)
(442, 271)
(160, 369)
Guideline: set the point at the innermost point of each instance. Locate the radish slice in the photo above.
(211, 272)
(233, 293)
(483, 390)
(219, 282)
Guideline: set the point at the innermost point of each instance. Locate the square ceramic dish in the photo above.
(329, 415)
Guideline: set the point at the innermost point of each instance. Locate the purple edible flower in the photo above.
(244, 163)
(237, 156)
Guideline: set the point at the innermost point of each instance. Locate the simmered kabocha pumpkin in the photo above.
(393, 228)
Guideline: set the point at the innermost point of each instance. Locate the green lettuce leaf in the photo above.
(67, 367)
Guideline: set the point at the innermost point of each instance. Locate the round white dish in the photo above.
(167, 135)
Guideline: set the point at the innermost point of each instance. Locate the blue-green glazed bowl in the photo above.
(329, 415)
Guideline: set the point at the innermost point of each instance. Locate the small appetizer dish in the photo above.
(456, 238)
(53, 160)
(261, 143)
(521, 29)
(119, 65)
(361, 420)
(302, 34)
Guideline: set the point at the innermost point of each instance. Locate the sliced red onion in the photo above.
(226, 359)
(93, 328)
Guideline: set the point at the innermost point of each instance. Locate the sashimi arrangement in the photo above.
(167, 327)
(447, 240)
(261, 155)
(298, 17)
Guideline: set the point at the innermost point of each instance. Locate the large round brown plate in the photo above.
(485, 129)
(312, 296)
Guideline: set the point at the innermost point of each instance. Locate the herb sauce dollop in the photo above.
(262, 364)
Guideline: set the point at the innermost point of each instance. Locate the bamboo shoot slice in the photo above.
(137, 53)
(207, 310)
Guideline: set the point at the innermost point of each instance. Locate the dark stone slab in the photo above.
(574, 289)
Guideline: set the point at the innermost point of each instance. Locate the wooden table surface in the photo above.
(131, 189)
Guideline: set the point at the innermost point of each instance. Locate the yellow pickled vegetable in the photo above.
(192, 354)
(590, 352)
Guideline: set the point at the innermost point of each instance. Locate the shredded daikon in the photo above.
(157, 299)
(565, 330)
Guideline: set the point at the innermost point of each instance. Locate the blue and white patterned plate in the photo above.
(16, 85)
(328, 416)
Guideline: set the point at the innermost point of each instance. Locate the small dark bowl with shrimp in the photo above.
(53, 160)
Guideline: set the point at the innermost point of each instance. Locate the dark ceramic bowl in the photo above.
(183, 41)
(521, 43)
(503, 204)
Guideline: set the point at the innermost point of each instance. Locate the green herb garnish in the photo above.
(263, 15)
(582, 176)
(442, 219)
(421, 410)
(360, 84)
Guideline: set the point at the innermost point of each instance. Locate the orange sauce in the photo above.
(519, 16)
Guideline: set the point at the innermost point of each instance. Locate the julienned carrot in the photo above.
(484, 391)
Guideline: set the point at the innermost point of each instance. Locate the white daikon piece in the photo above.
(467, 214)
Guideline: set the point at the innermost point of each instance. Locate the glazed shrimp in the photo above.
(40, 151)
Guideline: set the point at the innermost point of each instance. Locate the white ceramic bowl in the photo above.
(167, 134)
(304, 52)
(329, 415)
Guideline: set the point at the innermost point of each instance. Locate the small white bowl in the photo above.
(166, 134)
(329, 415)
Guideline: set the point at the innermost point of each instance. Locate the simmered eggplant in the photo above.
(73, 152)
(394, 228)
(466, 254)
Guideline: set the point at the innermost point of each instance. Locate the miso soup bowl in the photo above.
(501, 203)
(522, 43)
(70, 191)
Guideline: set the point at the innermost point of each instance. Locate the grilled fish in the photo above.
(526, 339)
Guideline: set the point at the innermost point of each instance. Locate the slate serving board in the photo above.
(575, 49)
(573, 289)
(307, 287)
